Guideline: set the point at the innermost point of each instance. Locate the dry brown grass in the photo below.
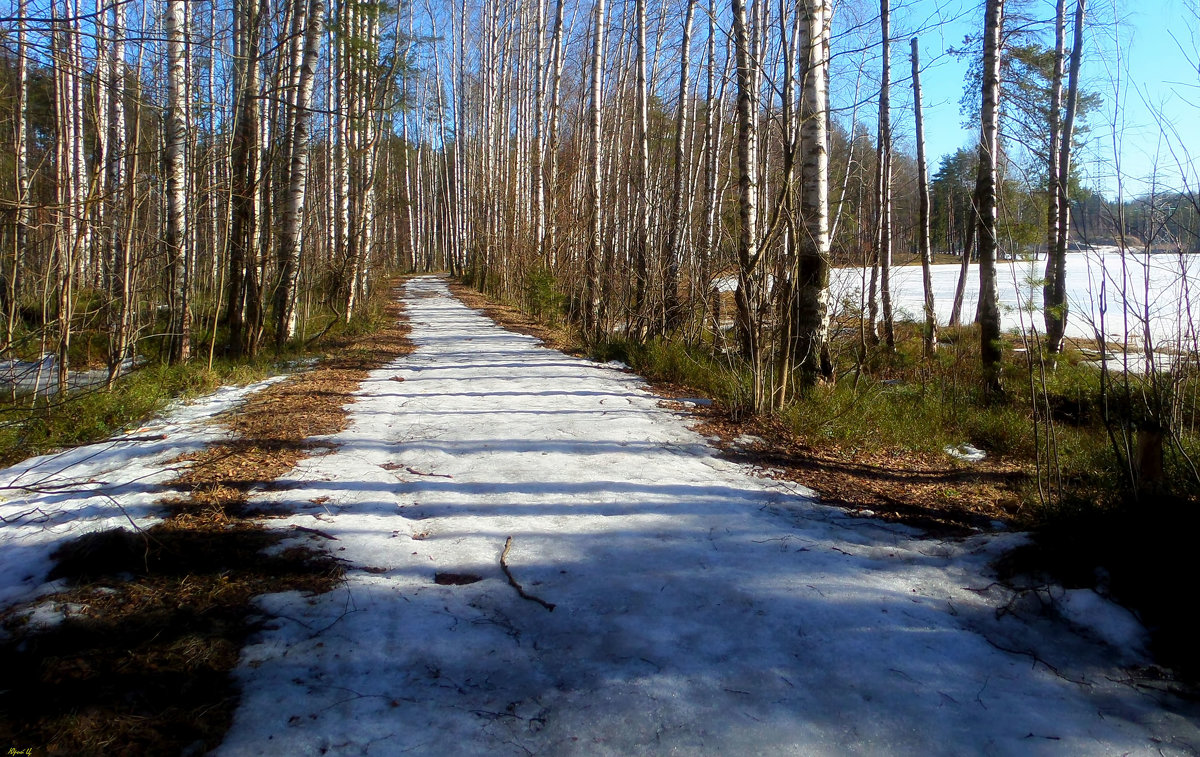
(928, 491)
(515, 319)
(155, 620)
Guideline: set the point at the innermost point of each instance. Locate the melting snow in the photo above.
(48, 500)
(964, 451)
(699, 609)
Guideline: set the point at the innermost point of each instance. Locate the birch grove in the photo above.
(219, 176)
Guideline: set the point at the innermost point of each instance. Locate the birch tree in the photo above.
(883, 182)
(244, 170)
(119, 238)
(591, 297)
(990, 347)
(12, 267)
(175, 168)
(671, 303)
(642, 174)
(308, 13)
(1055, 293)
(747, 245)
(811, 317)
(924, 248)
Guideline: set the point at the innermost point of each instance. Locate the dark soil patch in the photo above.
(1142, 555)
(455, 579)
(153, 621)
(154, 624)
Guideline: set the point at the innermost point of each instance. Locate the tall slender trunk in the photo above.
(176, 234)
(101, 112)
(884, 180)
(923, 243)
(990, 347)
(672, 306)
(243, 169)
(12, 272)
(811, 316)
(712, 153)
(120, 321)
(538, 153)
(747, 149)
(557, 58)
(591, 287)
(641, 243)
(343, 117)
(83, 249)
(71, 229)
(967, 252)
(293, 209)
(1056, 306)
(1051, 316)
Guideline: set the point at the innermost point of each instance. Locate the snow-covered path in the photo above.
(698, 609)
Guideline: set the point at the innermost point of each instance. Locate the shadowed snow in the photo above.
(699, 609)
(48, 500)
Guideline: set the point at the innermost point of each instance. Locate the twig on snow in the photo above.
(416, 472)
(314, 531)
(1037, 660)
(513, 582)
(145, 438)
(22, 516)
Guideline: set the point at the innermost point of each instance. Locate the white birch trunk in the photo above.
(293, 210)
(747, 154)
(672, 306)
(591, 298)
(1056, 305)
(884, 179)
(991, 349)
(811, 333)
(12, 283)
(923, 244)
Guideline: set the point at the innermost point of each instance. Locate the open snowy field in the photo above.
(1104, 296)
(697, 608)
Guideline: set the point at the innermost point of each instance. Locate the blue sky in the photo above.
(1140, 58)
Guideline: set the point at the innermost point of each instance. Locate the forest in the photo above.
(192, 181)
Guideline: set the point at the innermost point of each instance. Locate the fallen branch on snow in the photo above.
(513, 581)
(416, 472)
(315, 532)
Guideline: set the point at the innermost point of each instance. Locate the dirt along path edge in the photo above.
(158, 617)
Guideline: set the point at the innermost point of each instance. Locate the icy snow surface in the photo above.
(699, 609)
(48, 500)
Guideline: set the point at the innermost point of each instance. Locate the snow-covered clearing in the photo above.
(1106, 294)
(698, 608)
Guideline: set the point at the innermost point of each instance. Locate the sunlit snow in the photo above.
(1107, 293)
(1123, 297)
(699, 608)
